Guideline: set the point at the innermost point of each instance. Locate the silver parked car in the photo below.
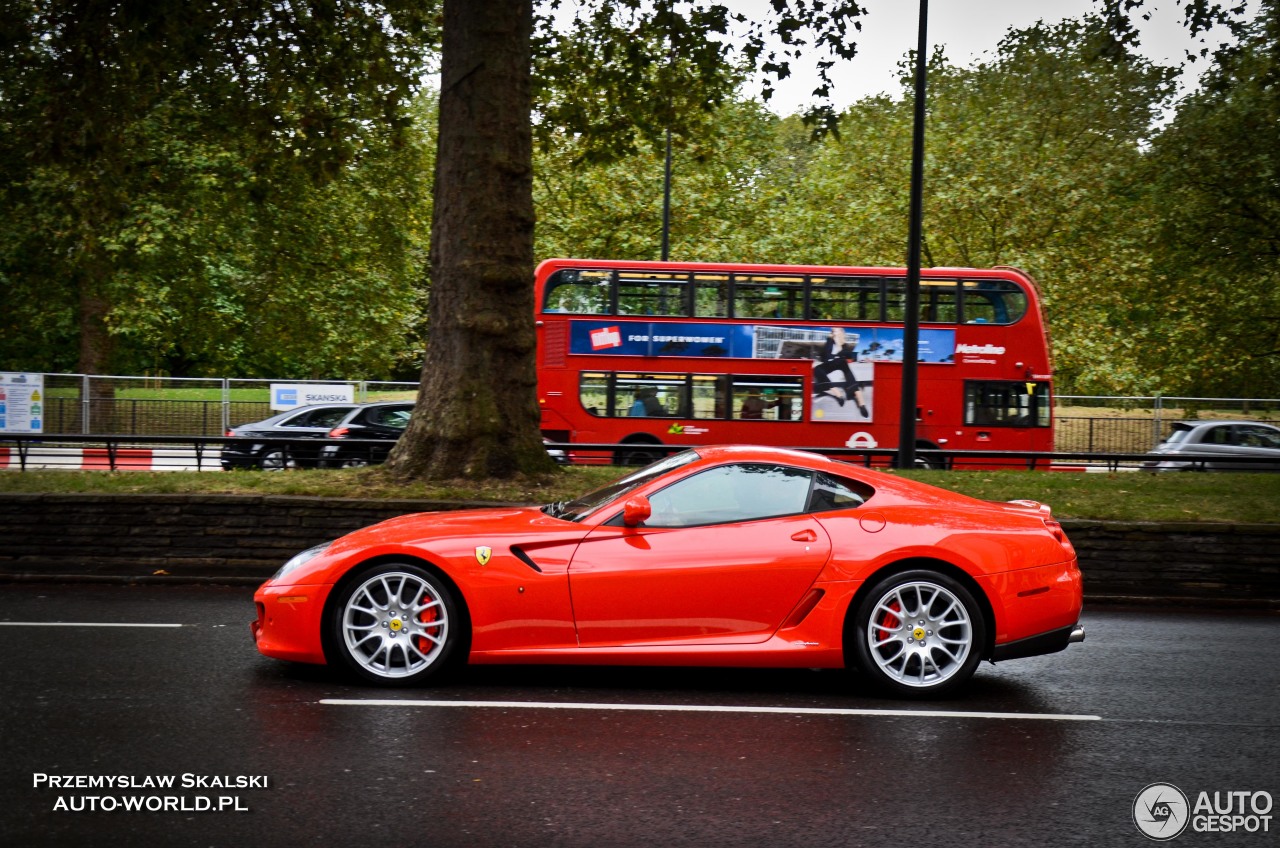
(1193, 446)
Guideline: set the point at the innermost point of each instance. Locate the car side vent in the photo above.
(525, 558)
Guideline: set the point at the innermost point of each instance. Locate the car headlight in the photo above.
(300, 560)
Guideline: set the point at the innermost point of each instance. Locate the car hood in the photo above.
(449, 540)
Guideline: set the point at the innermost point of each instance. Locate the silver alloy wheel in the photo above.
(274, 459)
(353, 462)
(395, 624)
(920, 634)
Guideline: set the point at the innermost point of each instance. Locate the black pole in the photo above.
(666, 204)
(911, 323)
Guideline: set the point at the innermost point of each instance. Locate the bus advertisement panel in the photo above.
(727, 351)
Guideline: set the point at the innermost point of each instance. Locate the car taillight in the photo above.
(230, 433)
(339, 432)
(1058, 533)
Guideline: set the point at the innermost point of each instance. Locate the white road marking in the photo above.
(684, 708)
(78, 624)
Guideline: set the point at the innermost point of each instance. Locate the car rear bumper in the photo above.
(1043, 643)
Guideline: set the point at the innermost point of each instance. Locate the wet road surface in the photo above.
(1043, 751)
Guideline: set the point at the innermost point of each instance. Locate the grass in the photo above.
(1186, 497)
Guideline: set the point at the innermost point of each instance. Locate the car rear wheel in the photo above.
(918, 634)
(396, 625)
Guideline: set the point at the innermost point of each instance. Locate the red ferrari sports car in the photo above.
(720, 556)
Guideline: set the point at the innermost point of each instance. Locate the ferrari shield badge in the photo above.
(483, 552)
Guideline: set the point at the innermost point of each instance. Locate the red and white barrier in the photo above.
(99, 459)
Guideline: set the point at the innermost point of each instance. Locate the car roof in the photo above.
(1191, 424)
(889, 487)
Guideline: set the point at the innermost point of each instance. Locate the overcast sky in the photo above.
(967, 29)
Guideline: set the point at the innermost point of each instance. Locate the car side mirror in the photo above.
(636, 511)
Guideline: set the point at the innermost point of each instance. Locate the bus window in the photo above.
(993, 302)
(844, 299)
(650, 395)
(1006, 403)
(939, 302)
(711, 295)
(895, 299)
(582, 292)
(759, 296)
(766, 398)
(708, 395)
(593, 391)
(652, 294)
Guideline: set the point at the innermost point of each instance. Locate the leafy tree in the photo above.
(1215, 175)
(477, 414)
(1032, 159)
(614, 208)
(134, 131)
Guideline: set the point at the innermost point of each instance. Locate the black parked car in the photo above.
(384, 421)
(256, 445)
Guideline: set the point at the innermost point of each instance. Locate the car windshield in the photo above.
(578, 509)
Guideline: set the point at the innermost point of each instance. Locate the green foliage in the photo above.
(1215, 180)
(199, 187)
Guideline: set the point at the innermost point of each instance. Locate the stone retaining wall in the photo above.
(244, 539)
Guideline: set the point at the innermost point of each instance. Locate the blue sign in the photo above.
(755, 341)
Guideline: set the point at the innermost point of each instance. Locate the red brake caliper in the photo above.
(889, 622)
(427, 616)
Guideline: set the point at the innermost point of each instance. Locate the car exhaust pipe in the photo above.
(1077, 635)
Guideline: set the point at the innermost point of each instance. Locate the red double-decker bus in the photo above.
(685, 353)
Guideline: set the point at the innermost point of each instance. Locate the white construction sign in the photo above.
(21, 402)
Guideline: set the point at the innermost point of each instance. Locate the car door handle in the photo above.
(805, 536)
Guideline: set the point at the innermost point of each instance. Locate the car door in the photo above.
(311, 424)
(1255, 440)
(723, 558)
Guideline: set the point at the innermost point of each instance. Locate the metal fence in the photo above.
(178, 406)
(175, 406)
(1109, 424)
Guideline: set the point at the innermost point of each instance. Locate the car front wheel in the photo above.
(396, 625)
(918, 634)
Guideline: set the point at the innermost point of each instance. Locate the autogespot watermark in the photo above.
(1162, 811)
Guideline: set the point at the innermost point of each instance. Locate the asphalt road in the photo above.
(1045, 751)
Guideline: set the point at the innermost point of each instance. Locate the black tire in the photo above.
(274, 459)
(917, 634)
(635, 455)
(395, 624)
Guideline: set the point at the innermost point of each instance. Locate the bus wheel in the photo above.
(930, 463)
(635, 456)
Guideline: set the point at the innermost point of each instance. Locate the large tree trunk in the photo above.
(477, 414)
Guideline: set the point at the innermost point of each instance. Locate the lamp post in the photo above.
(911, 324)
(666, 204)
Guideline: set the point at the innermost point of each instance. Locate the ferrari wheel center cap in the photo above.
(396, 624)
(918, 633)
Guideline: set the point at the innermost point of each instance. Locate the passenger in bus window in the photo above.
(782, 404)
(753, 407)
(647, 404)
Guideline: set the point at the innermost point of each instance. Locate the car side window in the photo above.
(327, 417)
(397, 419)
(1259, 437)
(832, 493)
(731, 493)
